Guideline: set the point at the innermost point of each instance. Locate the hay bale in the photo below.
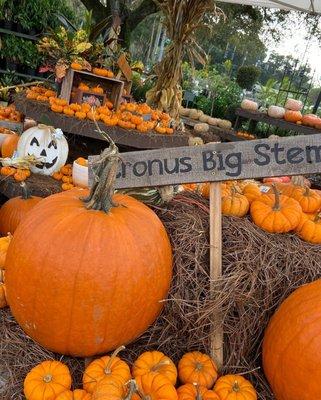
(260, 271)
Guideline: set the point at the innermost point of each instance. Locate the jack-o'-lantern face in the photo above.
(46, 144)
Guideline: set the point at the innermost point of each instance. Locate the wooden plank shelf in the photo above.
(38, 185)
(14, 126)
(280, 123)
(225, 134)
(131, 138)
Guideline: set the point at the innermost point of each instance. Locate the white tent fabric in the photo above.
(312, 6)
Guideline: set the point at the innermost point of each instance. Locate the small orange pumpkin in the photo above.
(66, 179)
(155, 361)
(199, 368)
(50, 93)
(80, 115)
(84, 87)
(3, 299)
(135, 119)
(67, 186)
(66, 170)
(100, 71)
(20, 176)
(155, 386)
(308, 199)
(75, 107)
(108, 366)
(47, 380)
(76, 65)
(8, 171)
(85, 107)
(57, 176)
(97, 89)
(309, 228)
(161, 130)
(235, 204)
(69, 112)
(234, 387)
(293, 116)
(56, 108)
(9, 145)
(77, 394)
(61, 102)
(41, 98)
(191, 391)
(251, 192)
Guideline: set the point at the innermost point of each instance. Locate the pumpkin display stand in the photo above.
(85, 128)
(259, 271)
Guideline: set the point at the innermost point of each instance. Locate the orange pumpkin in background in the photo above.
(291, 345)
(9, 145)
(292, 116)
(190, 391)
(15, 210)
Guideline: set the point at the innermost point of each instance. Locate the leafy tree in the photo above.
(247, 76)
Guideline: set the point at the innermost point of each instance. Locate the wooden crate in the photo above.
(113, 88)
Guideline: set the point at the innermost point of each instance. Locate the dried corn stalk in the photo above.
(182, 19)
(20, 162)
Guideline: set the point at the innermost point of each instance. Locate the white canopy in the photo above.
(313, 6)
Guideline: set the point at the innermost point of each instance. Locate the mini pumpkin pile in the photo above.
(65, 176)
(153, 376)
(107, 73)
(40, 93)
(276, 208)
(10, 114)
(19, 174)
(198, 115)
(245, 135)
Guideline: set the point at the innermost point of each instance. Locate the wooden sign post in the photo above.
(215, 163)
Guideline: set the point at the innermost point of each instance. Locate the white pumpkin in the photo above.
(213, 121)
(201, 128)
(193, 113)
(294, 105)
(276, 112)
(204, 118)
(225, 124)
(46, 143)
(249, 105)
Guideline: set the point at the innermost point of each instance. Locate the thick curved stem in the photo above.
(105, 172)
(112, 358)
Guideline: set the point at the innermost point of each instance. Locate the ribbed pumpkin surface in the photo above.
(83, 282)
(292, 346)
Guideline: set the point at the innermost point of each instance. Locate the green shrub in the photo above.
(247, 76)
(140, 87)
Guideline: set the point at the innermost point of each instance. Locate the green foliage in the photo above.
(20, 51)
(247, 76)
(35, 14)
(140, 87)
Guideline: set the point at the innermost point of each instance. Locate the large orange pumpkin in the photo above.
(291, 346)
(93, 273)
(9, 145)
(14, 210)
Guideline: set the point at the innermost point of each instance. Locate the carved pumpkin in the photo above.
(155, 361)
(291, 346)
(195, 392)
(111, 366)
(155, 386)
(77, 394)
(14, 210)
(9, 145)
(234, 387)
(91, 233)
(309, 228)
(199, 368)
(47, 144)
(47, 380)
(308, 199)
(235, 204)
(292, 116)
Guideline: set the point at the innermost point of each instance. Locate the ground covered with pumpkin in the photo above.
(260, 271)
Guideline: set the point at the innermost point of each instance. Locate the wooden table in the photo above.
(38, 185)
(257, 116)
(40, 112)
(225, 134)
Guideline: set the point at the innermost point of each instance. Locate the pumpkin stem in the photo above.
(112, 358)
(276, 206)
(236, 387)
(317, 217)
(159, 365)
(47, 378)
(198, 394)
(25, 193)
(307, 191)
(132, 389)
(105, 170)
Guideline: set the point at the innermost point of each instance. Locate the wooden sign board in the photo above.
(125, 67)
(298, 155)
(13, 126)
